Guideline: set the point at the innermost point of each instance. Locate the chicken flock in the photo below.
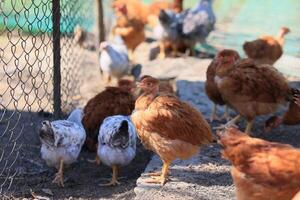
(148, 109)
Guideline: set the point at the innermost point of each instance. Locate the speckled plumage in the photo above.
(62, 139)
(117, 141)
(199, 21)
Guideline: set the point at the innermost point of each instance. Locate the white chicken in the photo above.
(116, 144)
(114, 61)
(62, 141)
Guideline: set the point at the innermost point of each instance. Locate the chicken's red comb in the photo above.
(123, 9)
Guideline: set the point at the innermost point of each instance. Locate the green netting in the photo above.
(35, 17)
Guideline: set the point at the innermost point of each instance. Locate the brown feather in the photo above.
(174, 124)
(261, 169)
(211, 87)
(252, 89)
(112, 101)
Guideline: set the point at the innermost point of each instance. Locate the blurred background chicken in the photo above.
(290, 117)
(117, 144)
(112, 101)
(61, 142)
(225, 58)
(131, 30)
(267, 49)
(261, 170)
(114, 61)
(251, 89)
(198, 22)
(169, 127)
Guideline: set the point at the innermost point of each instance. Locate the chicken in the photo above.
(291, 117)
(177, 6)
(131, 29)
(198, 23)
(227, 57)
(169, 127)
(266, 49)
(84, 38)
(261, 170)
(114, 61)
(251, 89)
(112, 101)
(165, 84)
(117, 144)
(62, 141)
(169, 32)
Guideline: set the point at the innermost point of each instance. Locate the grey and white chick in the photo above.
(114, 61)
(116, 144)
(62, 141)
(198, 22)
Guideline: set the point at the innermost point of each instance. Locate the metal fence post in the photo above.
(56, 59)
(101, 21)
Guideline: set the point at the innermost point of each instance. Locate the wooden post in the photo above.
(56, 59)
(101, 21)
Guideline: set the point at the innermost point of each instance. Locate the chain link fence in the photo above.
(41, 65)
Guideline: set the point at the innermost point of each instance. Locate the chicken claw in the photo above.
(160, 180)
(228, 124)
(114, 179)
(59, 176)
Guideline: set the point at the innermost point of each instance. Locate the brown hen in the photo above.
(261, 170)
(225, 57)
(290, 117)
(266, 49)
(111, 101)
(131, 30)
(169, 127)
(251, 89)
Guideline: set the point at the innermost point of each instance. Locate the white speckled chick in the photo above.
(116, 143)
(62, 141)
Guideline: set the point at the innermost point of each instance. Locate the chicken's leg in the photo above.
(162, 53)
(164, 175)
(59, 176)
(249, 127)
(114, 180)
(174, 50)
(226, 115)
(131, 55)
(213, 115)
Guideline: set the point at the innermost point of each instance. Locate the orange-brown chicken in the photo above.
(131, 30)
(251, 89)
(267, 49)
(290, 117)
(165, 85)
(225, 57)
(261, 170)
(169, 127)
(111, 101)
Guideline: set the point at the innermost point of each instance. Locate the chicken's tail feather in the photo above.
(121, 138)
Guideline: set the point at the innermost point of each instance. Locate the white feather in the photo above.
(111, 155)
(69, 136)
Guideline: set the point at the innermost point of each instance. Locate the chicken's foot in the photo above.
(59, 176)
(249, 127)
(114, 180)
(164, 175)
(230, 123)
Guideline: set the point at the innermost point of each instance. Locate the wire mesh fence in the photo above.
(30, 51)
